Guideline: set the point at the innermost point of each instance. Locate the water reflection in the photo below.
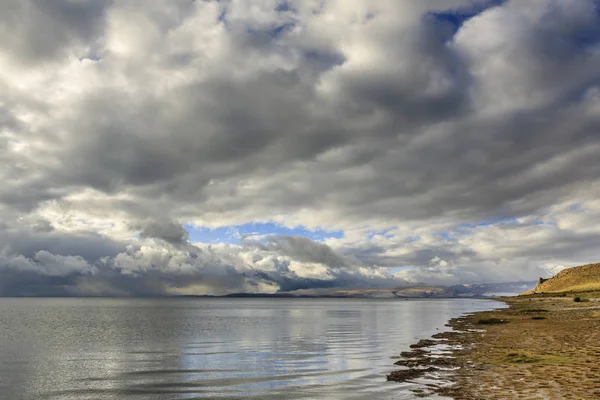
(222, 348)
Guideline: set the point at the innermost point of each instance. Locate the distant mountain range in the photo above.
(456, 291)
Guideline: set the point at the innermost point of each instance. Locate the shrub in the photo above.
(577, 299)
(492, 321)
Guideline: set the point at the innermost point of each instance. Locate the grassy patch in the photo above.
(585, 287)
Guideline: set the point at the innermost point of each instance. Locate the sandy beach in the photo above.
(539, 348)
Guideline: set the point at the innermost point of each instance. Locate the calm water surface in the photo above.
(204, 348)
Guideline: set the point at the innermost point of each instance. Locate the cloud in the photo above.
(301, 249)
(459, 131)
(168, 231)
(37, 31)
(151, 267)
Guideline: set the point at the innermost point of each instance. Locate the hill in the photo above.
(577, 279)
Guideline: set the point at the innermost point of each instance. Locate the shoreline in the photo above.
(540, 347)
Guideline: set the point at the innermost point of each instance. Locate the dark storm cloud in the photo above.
(168, 231)
(122, 117)
(231, 129)
(301, 249)
(39, 31)
(90, 246)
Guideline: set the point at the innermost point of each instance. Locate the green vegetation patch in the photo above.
(521, 358)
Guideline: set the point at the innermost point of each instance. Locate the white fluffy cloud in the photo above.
(457, 138)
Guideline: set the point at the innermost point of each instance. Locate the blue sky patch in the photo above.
(395, 270)
(233, 234)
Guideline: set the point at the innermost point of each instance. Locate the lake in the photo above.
(213, 348)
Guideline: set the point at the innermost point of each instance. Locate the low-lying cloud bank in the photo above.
(151, 267)
(450, 141)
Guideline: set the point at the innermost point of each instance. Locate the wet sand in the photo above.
(538, 348)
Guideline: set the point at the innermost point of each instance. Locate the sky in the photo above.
(155, 148)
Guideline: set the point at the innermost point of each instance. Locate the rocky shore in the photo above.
(540, 347)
